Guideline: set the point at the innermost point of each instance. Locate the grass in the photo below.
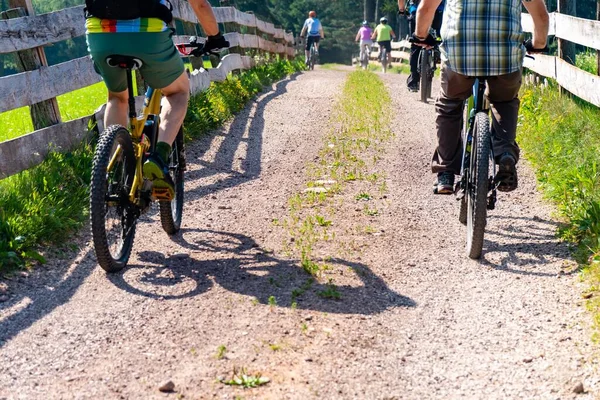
(72, 105)
(45, 205)
(344, 158)
(221, 351)
(241, 378)
(587, 61)
(561, 137)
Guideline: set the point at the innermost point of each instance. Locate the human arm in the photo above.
(425, 14)
(206, 16)
(374, 34)
(303, 31)
(401, 6)
(321, 32)
(357, 36)
(541, 20)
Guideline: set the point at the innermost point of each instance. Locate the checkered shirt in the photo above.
(482, 37)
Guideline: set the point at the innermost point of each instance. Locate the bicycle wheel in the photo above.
(430, 72)
(478, 185)
(424, 71)
(171, 211)
(384, 59)
(113, 218)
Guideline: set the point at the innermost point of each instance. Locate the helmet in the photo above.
(383, 20)
(312, 14)
(365, 23)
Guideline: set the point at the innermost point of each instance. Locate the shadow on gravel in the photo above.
(35, 297)
(238, 264)
(251, 120)
(523, 245)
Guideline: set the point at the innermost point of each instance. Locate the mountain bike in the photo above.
(119, 193)
(383, 58)
(365, 51)
(313, 56)
(427, 66)
(476, 188)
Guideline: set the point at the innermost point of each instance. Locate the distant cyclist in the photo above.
(412, 82)
(313, 31)
(364, 35)
(384, 34)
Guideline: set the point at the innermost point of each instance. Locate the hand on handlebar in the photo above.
(428, 42)
(530, 49)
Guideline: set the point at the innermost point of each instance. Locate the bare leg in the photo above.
(174, 107)
(117, 109)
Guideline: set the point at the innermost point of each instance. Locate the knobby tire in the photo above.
(109, 201)
(171, 211)
(478, 185)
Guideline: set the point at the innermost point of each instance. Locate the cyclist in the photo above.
(484, 42)
(364, 35)
(145, 34)
(412, 82)
(313, 30)
(384, 34)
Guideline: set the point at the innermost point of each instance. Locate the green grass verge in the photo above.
(43, 206)
(561, 137)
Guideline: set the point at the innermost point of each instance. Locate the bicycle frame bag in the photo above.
(129, 9)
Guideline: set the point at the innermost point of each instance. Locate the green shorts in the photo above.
(161, 62)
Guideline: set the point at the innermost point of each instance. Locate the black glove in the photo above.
(404, 13)
(429, 40)
(530, 49)
(216, 42)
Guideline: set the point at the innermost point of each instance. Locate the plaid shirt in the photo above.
(483, 37)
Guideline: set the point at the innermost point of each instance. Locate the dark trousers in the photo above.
(415, 76)
(502, 92)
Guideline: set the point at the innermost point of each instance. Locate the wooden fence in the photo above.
(37, 87)
(564, 27)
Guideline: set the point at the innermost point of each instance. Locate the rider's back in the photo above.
(482, 38)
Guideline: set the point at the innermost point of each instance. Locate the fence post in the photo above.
(45, 113)
(566, 49)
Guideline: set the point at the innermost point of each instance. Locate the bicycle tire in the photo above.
(430, 73)
(478, 185)
(424, 71)
(113, 221)
(384, 59)
(171, 211)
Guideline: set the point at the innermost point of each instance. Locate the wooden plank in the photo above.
(578, 30)
(527, 23)
(48, 82)
(24, 152)
(543, 65)
(18, 34)
(581, 83)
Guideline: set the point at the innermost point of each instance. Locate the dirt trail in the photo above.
(417, 319)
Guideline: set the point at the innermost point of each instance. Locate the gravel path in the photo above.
(417, 319)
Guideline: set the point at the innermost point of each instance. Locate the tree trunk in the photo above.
(369, 10)
(598, 51)
(566, 49)
(376, 11)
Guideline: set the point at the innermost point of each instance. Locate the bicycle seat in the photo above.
(120, 61)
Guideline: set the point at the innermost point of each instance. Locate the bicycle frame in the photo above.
(141, 143)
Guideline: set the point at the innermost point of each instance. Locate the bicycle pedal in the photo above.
(162, 194)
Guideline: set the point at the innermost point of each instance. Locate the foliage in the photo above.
(587, 61)
(46, 204)
(241, 378)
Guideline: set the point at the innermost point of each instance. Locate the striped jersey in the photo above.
(97, 25)
(482, 37)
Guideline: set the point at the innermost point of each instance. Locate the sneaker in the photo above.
(445, 183)
(506, 178)
(155, 170)
(413, 88)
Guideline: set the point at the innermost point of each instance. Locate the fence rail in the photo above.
(45, 83)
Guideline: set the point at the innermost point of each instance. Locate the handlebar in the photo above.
(198, 48)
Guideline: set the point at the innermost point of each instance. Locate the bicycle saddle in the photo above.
(120, 61)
